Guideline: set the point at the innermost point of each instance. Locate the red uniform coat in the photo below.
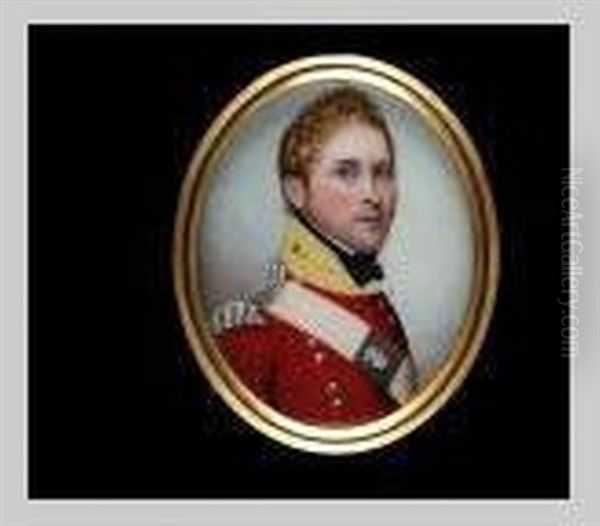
(303, 377)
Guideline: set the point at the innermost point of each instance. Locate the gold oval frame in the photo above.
(448, 129)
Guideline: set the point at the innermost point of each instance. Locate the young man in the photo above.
(327, 346)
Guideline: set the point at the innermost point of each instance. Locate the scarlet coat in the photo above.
(299, 374)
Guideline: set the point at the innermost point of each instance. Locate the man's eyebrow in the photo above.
(347, 160)
(383, 162)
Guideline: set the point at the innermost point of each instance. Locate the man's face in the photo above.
(350, 190)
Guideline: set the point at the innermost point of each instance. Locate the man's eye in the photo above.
(346, 171)
(383, 171)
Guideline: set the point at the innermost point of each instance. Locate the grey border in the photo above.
(15, 509)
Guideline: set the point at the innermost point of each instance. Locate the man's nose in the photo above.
(369, 190)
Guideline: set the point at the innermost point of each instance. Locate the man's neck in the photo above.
(330, 241)
(362, 267)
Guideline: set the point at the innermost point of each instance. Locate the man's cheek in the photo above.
(390, 204)
(337, 207)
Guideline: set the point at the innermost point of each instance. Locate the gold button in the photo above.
(337, 402)
(319, 357)
(332, 387)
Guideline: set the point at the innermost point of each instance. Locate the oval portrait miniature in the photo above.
(336, 253)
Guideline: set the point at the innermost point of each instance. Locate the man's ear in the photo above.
(294, 189)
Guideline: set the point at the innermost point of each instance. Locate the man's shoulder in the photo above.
(245, 323)
(262, 324)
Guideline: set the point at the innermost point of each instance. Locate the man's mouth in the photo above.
(370, 219)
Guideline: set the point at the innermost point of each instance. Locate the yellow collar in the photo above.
(307, 259)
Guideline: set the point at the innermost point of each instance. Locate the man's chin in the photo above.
(367, 246)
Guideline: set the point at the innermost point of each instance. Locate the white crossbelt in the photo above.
(343, 331)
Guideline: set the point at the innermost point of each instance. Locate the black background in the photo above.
(118, 406)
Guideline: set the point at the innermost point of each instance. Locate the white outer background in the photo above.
(582, 509)
(428, 257)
